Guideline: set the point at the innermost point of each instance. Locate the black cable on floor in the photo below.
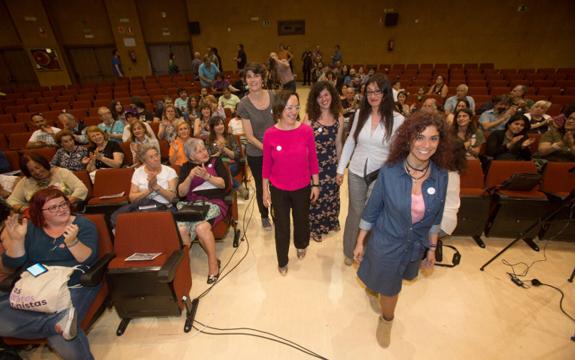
(271, 337)
(536, 282)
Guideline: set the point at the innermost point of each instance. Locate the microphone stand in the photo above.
(565, 202)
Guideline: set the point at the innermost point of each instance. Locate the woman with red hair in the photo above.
(52, 236)
(403, 214)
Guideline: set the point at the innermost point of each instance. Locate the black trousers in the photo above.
(256, 163)
(307, 76)
(283, 203)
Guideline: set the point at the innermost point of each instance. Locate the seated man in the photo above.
(68, 122)
(143, 114)
(349, 104)
(44, 136)
(207, 72)
(496, 118)
(114, 128)
(228, 100)
(461, 94)
(517, 96)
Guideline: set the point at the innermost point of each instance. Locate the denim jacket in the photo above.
(388, 212)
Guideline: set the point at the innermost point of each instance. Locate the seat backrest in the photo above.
(557, 177)
(105, 245)
(146, 232)
(85, 177)
(112, 181)
(501, 170)
(18, 141)
(472, 176)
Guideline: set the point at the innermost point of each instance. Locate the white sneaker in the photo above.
(68, 325)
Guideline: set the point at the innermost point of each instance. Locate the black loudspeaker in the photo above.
(194, 27)
(391, 19)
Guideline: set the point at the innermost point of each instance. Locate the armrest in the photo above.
(94, 275)
(168, 270)
(7, 284)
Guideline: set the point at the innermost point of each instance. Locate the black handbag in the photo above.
(521, 182)
(371, 177)
(192, 212)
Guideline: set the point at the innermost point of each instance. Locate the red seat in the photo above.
(18, 141)
(111, 188)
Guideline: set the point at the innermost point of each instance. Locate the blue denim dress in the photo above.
(395, 246)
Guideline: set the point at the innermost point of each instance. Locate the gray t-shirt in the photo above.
(261, 120)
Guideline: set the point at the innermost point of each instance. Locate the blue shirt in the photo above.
(491, 116)
(388, 213)
(209, 73)
(42, 248)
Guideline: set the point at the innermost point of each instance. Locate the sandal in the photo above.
(213, 278)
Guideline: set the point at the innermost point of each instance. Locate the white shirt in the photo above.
(371, 147)
(140, 180)
(41, 135)
(127, 134)
(452, 203)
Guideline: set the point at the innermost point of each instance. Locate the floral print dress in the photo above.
(324, 213)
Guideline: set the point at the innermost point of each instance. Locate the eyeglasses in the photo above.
(292, 107)
(374, 93)
(55, 208)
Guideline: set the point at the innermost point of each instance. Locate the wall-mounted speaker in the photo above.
(391, 19)
(194, 27)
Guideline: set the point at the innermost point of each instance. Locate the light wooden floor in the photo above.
(459, 313)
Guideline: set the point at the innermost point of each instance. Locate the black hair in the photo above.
(385, 108)
(33, 156)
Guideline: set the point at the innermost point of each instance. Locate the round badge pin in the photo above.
(210, 165)
(279, 148)
(319, 130)
(431, 190)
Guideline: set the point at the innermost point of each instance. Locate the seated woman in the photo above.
(70, 155)
(140, 136)
(213, 178)
(152, 183)
(167, 129)
(465, 128)
(512, 143)
(177, 155)
(194, 107)
(40, 175)
(52, 236)
(103, 153)
(219, 85)
(439, 87)
(538, 118)
(202, 123)
(461, 104)
(400, 105)
(558, 144)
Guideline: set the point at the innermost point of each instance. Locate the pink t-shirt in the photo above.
(417, 208)
(290, 158)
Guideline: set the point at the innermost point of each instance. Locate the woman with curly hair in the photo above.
(323, 114)
(403, 214)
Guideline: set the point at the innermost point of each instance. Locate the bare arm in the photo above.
(339, 137)
(250, 134)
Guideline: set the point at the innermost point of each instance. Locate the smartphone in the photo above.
(37, 269)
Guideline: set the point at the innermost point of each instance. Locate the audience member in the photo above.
(53, 237)
(114, 128)
(202, 123)
(439, 87)
(511, 143)
(40, 175)
(196, 62)
(558, 144)
(103, 153)
(538, 118)
(141, 112)
(44, 135)
(465, 128)
(207, 72)
(132, 117)
(167, 129)
(400, 105)
(70, 155)
(241, 58)
(307, 64)
(284, 72)
(228, 100)
(177, 155)
(210, 174)
(518, 98)
(117, 110)
(496, 118)
(461, 94)
(460, 105)
(140, 137)
(68, 122)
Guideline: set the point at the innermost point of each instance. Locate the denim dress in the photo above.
(395, 246)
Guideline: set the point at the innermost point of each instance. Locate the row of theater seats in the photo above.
(496, 212)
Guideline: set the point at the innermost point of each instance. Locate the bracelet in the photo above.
(314, 185)
(74, 243)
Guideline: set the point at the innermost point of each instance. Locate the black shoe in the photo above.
(213, 278)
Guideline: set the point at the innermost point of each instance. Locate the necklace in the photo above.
(416, 169)
(407, 167)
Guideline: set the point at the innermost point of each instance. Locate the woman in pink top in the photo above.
(290, 161)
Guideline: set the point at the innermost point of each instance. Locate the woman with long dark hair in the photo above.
(323, 113)
(466, 129)
(403, 214)
(511, 143)
(365, 150)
